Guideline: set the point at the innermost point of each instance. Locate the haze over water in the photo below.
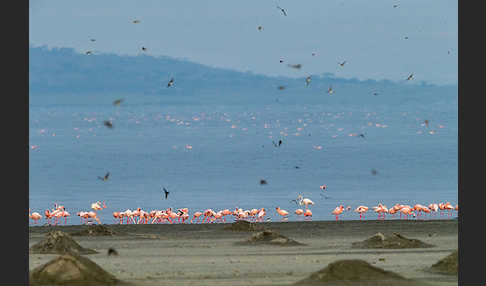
(232, 151)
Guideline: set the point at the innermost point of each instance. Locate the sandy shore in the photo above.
(206, 254)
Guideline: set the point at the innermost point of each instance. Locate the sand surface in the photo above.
(207, 254)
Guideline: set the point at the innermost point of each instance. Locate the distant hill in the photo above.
(63, 70)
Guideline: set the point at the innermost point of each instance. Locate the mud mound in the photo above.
(270, 237)
(58, 242)
(243, 225)
(354, 272)
(95, 230)
(447, 265)
(71, 269)
(393, 241)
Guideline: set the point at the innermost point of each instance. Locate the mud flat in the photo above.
(209, 254)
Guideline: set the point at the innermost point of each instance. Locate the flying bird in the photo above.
(330, 90)
(361, 135)
(136, 21)
(263, 182)
(410, 76)
(342, 64)
(171, 82)
(375, 93)
(281, 9)
(307, 81)
(92, 40)
(374, 172)
(108, 124)
(297, 66)
(406, 38)
(105, 178)
(313, 54)
(144, 49)
(89, 52)
(112, 251)
(395, 6)
(117, 102)
(260, 28)
(281, 87)
(281, 61)
(165, 192)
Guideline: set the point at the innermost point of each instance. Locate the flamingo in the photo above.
(282, 212)
(337, 211)
(35, 216)
(261, 214)
(305, 201)
(307, 213)
(299, 211)
(361, 210)
(196, 215)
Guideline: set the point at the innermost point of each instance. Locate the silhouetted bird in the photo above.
(313, 54)
(342, 64)
(410, 77)
(375, 93)
(260, 28)
(117, 102)
(374, 172)
(105, 178)
(406, 38)
(297, 66)
(395, 6)
(166, 192)
(144, 49)
(171, 82)
(279, 143)
(92, 40)
(108, 124)
(112, 251)
(283, 11)
(263, 182)
(330, 90)
(297, 167)
(281, 61)
(361, 135)
(89, 52)
(281, 87)
(307, 81)
(136, 21)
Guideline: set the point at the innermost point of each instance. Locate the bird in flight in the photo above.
(330, 90)
(395, 6)
(263, 182)
(108, 124)
(374, 172)
(406, 37)
(342, 64)
(144, 49)
(281, 87)
(313, 54)
(375, 93)
(92, 40)
(171, 82)
(281, 9)
(117, 102)
(89, 52)
(361, 135)
(307, 81)
(105, 178)
(260, 28)
(136, 21)
(165, 192)
(112, 251)
(410, 76)
(281, 61)
(277, 145)
(297, 66)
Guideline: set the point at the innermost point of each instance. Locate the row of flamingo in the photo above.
(140, 216)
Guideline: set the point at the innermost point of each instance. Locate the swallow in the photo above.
(342, 64)
(165, 192)
(297, 66)
(171, 82)
(105, 178)
(307, 81)
(108, 124)
(410, 76)
(281, 61)
(112, 251)
(263, 182)
(117, 102)
(281, 9)
(136, 21)
(89, 52)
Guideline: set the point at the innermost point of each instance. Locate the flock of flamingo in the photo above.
(140, 216)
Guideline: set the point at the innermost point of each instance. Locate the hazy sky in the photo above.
(369, 35)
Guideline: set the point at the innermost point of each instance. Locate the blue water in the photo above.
(147, 150)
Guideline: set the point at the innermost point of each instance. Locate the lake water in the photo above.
(232, 151)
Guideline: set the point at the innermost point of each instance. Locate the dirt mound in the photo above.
(354, 272)
(58, 242)
(447, 265)
(393, 241)
(270, 237)
(243, 225)
(71, 269)
(95, 230)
